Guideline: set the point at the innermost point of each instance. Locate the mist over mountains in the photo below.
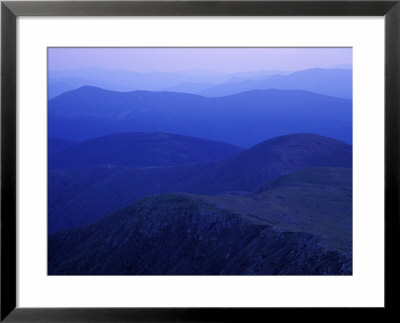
(61, 81)
(200, 172)
(335, 81)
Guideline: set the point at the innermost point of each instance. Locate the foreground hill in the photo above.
(90, 112)
(333, 82)
(313, 200)
(141, 150)
(299, 228)
(78, 197)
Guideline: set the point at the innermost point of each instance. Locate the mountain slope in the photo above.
(55, 145)
(180, 234)
(90, 112)
(315, 176)
(273, 158)
(313, 200)
(142, 150)
(78, 197)
(333, 82)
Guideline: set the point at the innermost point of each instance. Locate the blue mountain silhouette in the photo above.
(243, 119)
(333, 82)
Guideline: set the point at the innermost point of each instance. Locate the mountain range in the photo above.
(243, 119)
(200, 172)
(82, 195)
(61, 81)
(334, 81)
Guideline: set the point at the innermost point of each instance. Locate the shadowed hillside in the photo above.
(181, 234)
(78, 197)
(273, 158)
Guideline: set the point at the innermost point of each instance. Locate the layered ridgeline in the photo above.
(82, 195)
(61, 81)
(301, 226)
(335, 81)
(90, 112)
(332, 82)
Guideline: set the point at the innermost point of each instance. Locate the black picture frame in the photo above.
(10, 10)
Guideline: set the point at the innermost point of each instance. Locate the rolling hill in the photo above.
(90, 112)
(79, 197)
(141, 150)
(273, 158)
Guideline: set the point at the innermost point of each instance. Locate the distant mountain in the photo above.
(141, 150)
(239, 77)
(151, 80)
(189, 87)
(78, 197)
(242, 119)
(332, 82)
(58, 86)
(61, 81)
(123, 79)
(198, 87)
(285, 231)
(55, 145)
(335, 81)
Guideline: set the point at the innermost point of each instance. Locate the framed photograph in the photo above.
(198, 160)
